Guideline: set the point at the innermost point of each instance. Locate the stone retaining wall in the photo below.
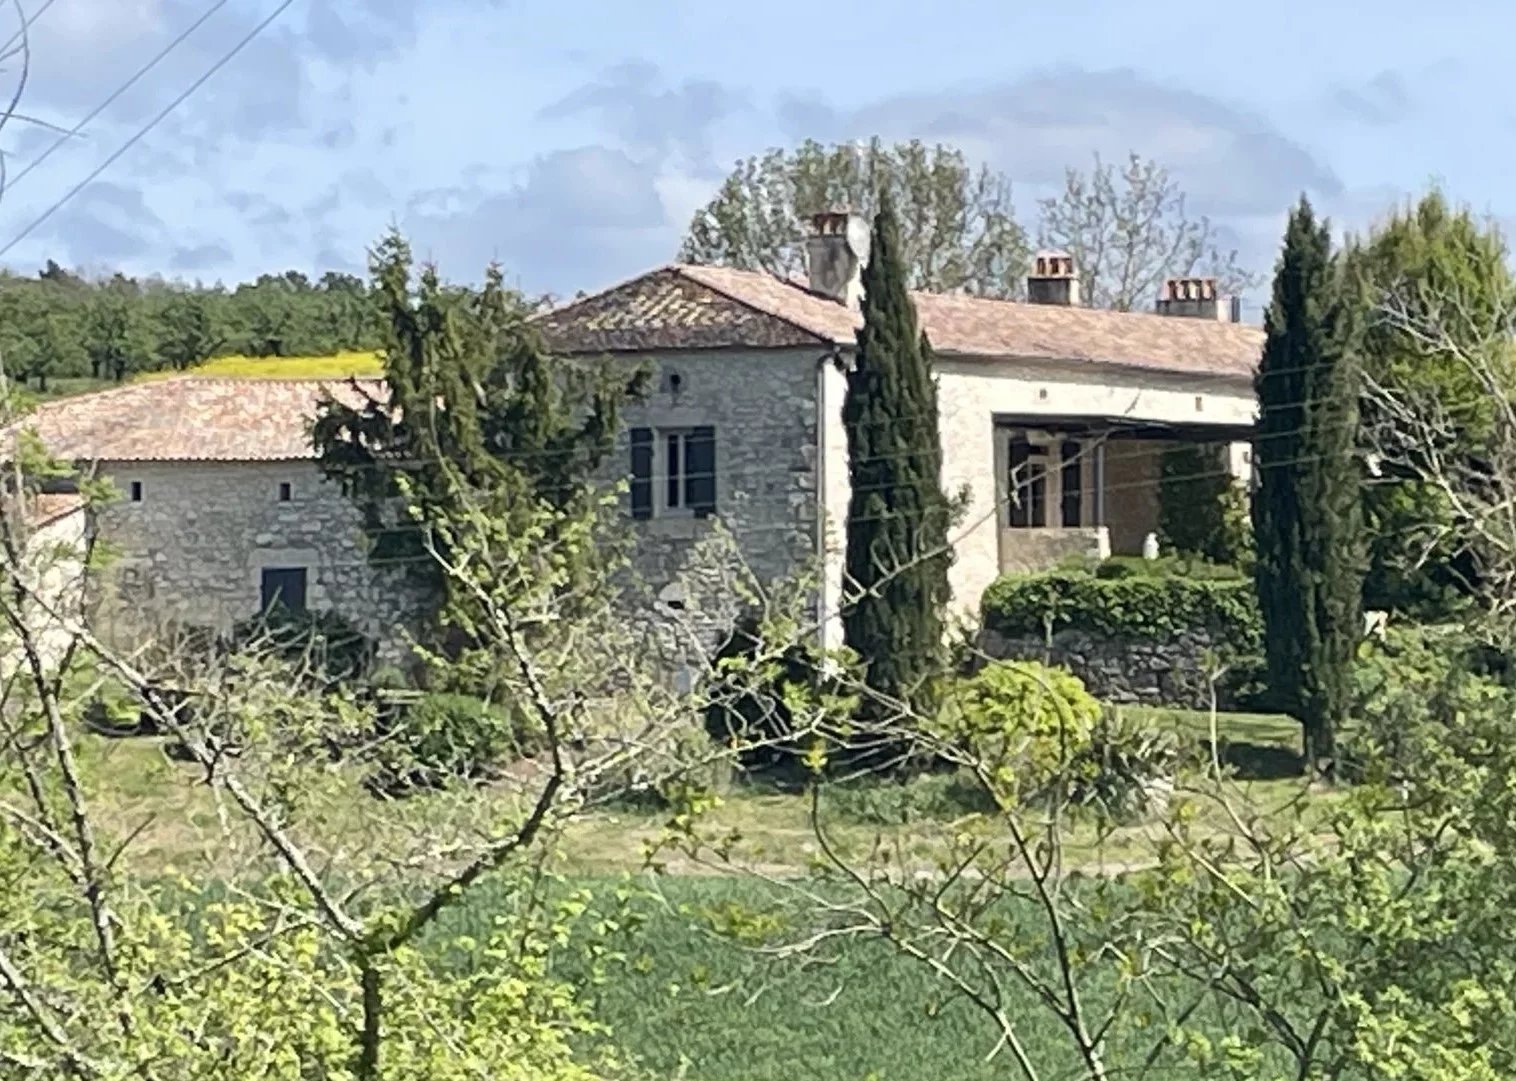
(1172, 672)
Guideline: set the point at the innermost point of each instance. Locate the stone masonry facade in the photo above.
(692, 573)
(193, 539)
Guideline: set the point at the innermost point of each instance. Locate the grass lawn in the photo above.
(138, 783)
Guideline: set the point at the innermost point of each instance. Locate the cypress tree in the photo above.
(897, 552)
(1307, 509)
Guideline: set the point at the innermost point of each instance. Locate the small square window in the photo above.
(136, 491)
(286, 491)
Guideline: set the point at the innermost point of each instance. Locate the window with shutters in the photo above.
(673, 472)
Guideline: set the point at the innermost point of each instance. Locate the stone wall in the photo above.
(690, 574)
(1172, 672)
(193, 547)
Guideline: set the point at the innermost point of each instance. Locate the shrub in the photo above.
(1163, 605)
(437, 738)
(1166, 567)
(1416, 696)
(1124, 767)
(1022, 720)
(1193, 489)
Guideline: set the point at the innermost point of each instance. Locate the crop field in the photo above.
(336, 366)
(686, 1002)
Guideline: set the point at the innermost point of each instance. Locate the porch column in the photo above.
(1099, 480)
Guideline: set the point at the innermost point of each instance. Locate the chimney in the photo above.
(1052, 280)
(1198, 298)
(835, 253)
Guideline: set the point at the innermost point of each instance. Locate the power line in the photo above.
(149, 126)
(116, 94)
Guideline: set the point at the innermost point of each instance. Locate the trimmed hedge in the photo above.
(1132, 607)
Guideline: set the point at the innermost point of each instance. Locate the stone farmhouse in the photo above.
(1053, 418)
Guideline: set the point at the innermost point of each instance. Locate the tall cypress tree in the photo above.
(1307, 509)
(898, 517)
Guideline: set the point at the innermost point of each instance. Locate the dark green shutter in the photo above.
(700, 471)
(642, 472)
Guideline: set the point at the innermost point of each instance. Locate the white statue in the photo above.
(1150, 546)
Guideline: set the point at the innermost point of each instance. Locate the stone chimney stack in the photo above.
(835, 254)
(1198, 298)
(1053, 280)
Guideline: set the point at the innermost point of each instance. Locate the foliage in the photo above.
(474, 415)
(1306, 511)
(60, 325)
(197, 972)
(1436, 282)
(898, 801)
(437, 738)
(1129, 230)
(1412, 690)
(1197, 500)
(765, 682)
(1023, 722)
(1143, 607)
(958, 231)
(1124, 765)
(897, 553)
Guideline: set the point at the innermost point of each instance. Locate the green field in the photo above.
(687, 1003)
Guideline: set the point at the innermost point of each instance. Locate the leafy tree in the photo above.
(1437, 287)
(897, 550)
(475, 412)
(957, 226)
(1198, 501)
(1128, 230)
(1307, 509)
(117, 338)
(60, 349)
(189, 333)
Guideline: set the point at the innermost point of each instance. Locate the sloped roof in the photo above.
(192, 418)
(49, 507)
(700, 307)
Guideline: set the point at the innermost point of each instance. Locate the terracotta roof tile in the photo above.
(191, 419)
(685, 307)
(678, 310)
(48, 507)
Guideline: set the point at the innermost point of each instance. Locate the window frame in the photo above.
(266, 602)
(666, 482)
(135, 491)
(1057, 457)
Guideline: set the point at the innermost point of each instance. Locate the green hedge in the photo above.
(1130, 607)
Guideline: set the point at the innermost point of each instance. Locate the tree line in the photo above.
(61, 324)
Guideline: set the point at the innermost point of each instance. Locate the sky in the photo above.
(572, 140)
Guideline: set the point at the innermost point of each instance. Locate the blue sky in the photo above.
(572, 140)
